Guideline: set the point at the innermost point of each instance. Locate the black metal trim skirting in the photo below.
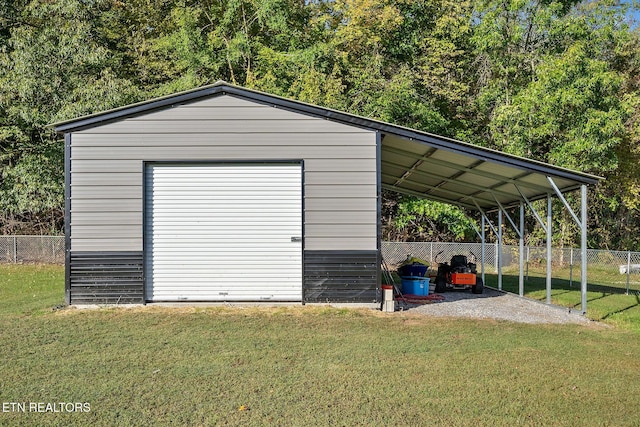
(341, 276)
(329, 276)
(106, 278)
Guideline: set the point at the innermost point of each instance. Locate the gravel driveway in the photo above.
(493, 304)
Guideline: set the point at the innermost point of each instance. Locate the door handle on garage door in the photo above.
(296, 239)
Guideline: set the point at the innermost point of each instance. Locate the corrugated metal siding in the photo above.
(106, 277)
(107, 162)
(346, 276)
(223, 232)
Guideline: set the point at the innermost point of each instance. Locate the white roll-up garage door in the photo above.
(223, 232)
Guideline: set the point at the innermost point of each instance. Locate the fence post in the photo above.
(528, 254)
(571, 267)
(628, 269)
(431, 253)
(15, 249)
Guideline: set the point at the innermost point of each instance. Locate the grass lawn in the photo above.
(606, 298)
(301, 365)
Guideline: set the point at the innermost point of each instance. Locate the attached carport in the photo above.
(488, 181)
(115, 211)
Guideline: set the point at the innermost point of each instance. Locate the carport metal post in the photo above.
(485, 221)
(582, 223)
(482, 249)
(499, 249)
(520, 232)
(481, 236)
(521, 252)
(583, 246)
(545, 227)
(549, 236)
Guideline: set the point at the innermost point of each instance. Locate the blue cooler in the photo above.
(412, 285)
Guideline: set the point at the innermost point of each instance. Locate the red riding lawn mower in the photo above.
(460, 274)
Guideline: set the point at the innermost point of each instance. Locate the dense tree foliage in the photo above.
(551, 80)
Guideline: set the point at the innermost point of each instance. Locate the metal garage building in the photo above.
(227, 194)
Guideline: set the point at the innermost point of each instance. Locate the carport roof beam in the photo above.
(513, 224)
(564, 201)
(500, 178)
(415, 166)
(533, 210)
(484, 215)
(422, 195)
(455, 176)
(431, 187)
(493, 187)
(450, 179)
(475, 228)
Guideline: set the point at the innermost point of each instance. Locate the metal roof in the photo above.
(412, 162)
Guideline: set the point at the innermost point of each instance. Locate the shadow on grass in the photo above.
(607, 301)
(622, 310)
(510, 283)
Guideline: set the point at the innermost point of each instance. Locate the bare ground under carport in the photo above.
(494, 304)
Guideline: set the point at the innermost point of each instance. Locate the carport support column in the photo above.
(521, 252)
(485, 221)
(482, 248)
(549, 236)
(500, 249)
(583, 247)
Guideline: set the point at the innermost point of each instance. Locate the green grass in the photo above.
(303, 366)
(32, 288)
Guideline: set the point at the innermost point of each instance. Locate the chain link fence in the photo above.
(613, 269)
(618, 269)
(44, 249)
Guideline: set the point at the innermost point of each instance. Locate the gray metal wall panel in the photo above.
(184, 152)
(191, 113)
(225, 102)
(106, 166)
(343, 165)
(339, 167)
(106, 243)
(340, 190)
(106, 191)
(303, 139)
(99, 178)
(360, 230)
(340, 217)
(338, 204)
(327, 178)
(241, 126)
(112, 217)
(119, 231)
(341, 242)
(105, 205)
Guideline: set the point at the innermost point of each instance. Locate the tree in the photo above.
(551, 80)
(51, 68)
(407, 218)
